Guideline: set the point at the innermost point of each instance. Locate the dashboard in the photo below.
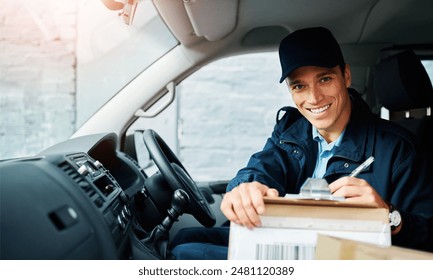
(72, 201)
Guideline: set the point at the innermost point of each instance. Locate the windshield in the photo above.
(60, 61)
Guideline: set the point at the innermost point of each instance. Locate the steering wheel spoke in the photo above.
(178, 178)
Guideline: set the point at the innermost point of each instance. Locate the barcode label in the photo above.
(285, 251)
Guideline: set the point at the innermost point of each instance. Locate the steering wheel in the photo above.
(178, 178)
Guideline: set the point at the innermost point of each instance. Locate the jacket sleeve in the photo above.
(413, 196)
(268, 166)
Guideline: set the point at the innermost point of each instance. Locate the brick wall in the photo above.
(227, 110)
(37, 74)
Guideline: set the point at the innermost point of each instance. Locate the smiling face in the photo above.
(321, 95)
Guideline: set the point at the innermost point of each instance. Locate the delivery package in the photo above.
(334, 248)
(290, 228)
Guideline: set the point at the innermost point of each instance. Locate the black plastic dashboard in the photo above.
(69, 202)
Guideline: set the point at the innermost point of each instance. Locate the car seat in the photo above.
(404, 88)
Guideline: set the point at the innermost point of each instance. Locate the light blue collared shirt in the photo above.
(326, 151)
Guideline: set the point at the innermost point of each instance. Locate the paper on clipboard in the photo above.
(317, 189)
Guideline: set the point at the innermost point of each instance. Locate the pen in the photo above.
(362, 167)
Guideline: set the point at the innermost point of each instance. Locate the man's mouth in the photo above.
(320, 110)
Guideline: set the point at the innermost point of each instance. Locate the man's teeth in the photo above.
(319, 110)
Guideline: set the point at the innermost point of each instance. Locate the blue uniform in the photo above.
(399, 173)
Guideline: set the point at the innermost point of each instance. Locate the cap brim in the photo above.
(313, 62)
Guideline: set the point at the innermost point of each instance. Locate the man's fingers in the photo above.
(252, 203)
(257, 198)
(272, 193)
(236, 208)
(356, 190)
(344, 182)
(227, 209)
(245, 203)
(348, 191)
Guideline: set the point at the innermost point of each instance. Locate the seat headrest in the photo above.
(402, 83)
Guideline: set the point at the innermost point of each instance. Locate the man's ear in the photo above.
(347, 75)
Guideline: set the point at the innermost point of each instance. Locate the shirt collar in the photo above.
(319, 138)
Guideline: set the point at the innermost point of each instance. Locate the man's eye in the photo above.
(297, 87)
(325, 79)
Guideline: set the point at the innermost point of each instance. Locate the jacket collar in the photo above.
(357, 142)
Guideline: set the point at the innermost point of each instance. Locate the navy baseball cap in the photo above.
(314, 46)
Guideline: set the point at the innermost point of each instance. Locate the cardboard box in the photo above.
(290, 228)
(333, 248)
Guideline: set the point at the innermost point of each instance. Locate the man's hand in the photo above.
(356, 190)
(244, 204)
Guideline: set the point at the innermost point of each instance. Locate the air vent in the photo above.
(71, 172)
(82, 183)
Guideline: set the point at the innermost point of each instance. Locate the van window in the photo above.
(110, 53)
(428, 64)
(60, 61)
(222, 114)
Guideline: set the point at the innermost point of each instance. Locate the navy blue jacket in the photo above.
(399, 173)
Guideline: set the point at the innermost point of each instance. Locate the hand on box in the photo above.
(244, 204)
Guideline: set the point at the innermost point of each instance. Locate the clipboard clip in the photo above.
(317, 189)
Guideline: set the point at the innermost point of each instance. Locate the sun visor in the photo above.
(212, 19)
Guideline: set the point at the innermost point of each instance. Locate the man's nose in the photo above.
(314, 95)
